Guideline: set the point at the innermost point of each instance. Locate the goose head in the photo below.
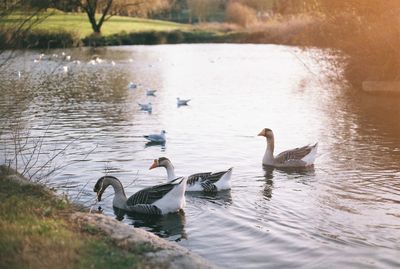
(101, 185)
(160, 162)
(266, 132)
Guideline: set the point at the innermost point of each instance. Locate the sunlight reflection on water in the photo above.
(345, 212)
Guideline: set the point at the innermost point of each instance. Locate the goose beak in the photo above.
(154, 165)
(262, 133)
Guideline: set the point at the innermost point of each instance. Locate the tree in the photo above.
(367, 32)
(202, 8)
(20, 16)
(108, 8)
(91, 7)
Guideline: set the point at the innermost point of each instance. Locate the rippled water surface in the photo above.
(343, 213)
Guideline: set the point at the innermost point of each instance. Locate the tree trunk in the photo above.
(90, 9)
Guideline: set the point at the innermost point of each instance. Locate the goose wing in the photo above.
(207, 176)
(151, 194)
(293, 154)
(192, 179)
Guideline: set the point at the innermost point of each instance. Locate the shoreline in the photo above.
(151, 250)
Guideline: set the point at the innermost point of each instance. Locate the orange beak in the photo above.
(154, 165)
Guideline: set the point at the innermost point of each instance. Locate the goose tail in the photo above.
(310, 157)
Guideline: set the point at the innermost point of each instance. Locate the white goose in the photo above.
(298, 157)
(156, 200)
(208, 182)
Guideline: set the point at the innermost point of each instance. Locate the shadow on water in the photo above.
(152, 144)
(170, 226)
(220, 197)
(290, 171)
(299, 173)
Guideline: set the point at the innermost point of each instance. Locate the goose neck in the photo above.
(120, 199)
(170, 171)
(270, 146)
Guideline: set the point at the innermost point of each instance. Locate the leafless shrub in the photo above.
(240, 14)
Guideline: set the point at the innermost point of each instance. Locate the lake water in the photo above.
(344, 213)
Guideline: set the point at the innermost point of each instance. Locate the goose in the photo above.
(150, 92)
(156, 200)
(298, 157)
(156, 138)
(146, 107)
(182, 102)
(207, 182)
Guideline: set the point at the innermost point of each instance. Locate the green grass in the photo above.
(78, 23)
(35, 232)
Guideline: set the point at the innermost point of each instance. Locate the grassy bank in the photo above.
(35, 232)
(60, 30)
(78, 23)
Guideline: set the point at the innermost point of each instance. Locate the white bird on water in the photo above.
(65, 68)
(150, 92)
(182, 102)
(157, 138)
(145, 107)
(132, 85)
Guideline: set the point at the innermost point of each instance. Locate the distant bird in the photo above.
(207, 182)
(156, 200)
(150, 92)
(112, 63)
(157, 138)
(132, 85)
(68, 58)
(182, 102)
(65, 68)
(298, 157)
(146, 107)
(19, 75)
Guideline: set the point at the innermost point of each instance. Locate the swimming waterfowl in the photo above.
(132, 85)
(182, 102)
(157, 138)
(150, 92)
(298, 157)
(156, 200)
(146, 107)
(208, 182)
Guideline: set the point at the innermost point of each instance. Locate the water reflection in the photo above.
(170, 226)
(155, 144)
(220, 198)
(353, 192)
